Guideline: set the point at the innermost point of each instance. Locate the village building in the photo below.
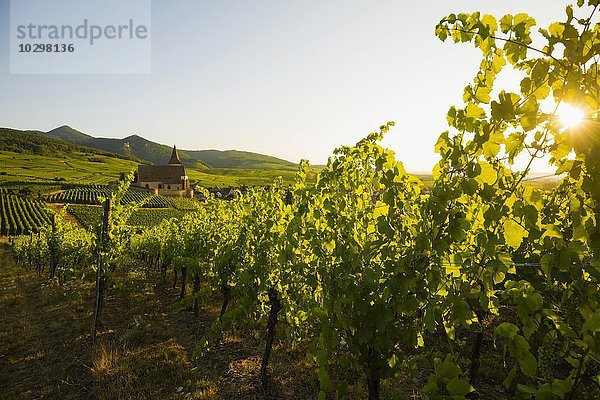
(170, 179)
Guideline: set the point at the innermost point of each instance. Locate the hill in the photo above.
(155, 153)
(131, 147)
(28, 142)
(68, 134)
(30, 157)
(240, 159)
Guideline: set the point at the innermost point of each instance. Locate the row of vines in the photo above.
(94, 195)
(20, 215)
(63, 249)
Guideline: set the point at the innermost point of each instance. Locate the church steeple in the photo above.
(174, 158)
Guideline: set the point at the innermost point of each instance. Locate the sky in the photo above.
(292, 79)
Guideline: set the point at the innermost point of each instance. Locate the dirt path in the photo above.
(58, 207)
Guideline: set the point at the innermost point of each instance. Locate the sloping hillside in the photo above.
(132, 146)
(31, 157)
(37, 157)
(27, 142)
(69, 134)
(240, 159)
(155, 153)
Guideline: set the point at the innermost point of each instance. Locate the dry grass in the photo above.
(122, 373)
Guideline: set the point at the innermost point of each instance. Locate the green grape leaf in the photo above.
(458, 387)
(528, 364)
(514, 233)
(474, 111)
(556, 29)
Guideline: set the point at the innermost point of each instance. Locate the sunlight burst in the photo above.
(569, 116)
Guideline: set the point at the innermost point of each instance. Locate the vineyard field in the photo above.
(146, 218)
(185, 204)
(19, 215)
(72, 168)
(92, 196)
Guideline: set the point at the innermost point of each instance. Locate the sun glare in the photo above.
(569, 116)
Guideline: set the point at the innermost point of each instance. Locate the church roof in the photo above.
(170, 174)
(174, 158)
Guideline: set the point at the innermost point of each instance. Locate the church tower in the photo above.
(175, 157)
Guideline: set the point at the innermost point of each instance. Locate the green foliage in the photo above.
(502, 219)
(90, 217)
(359, 231)
(448, 381)
(20, 215)
(67, 246)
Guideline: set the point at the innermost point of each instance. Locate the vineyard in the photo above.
(21, 215)
(185, 204)
(90, 216)
(92, 196)
(367, 283)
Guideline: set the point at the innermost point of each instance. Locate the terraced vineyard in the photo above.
(91, 195)
(20, 215)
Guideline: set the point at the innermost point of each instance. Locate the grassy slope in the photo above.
(27, 142)
(224, 177)
(75, 167)
(26, 156)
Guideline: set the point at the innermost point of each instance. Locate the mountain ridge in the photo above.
(136, 146)
(31, 142)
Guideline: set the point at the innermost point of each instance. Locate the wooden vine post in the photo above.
(183, 282)
(100, 272)
(275, 305)
(196, 290)
(226, 292)
(53, 250)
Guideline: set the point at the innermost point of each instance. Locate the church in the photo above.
(164, 178)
